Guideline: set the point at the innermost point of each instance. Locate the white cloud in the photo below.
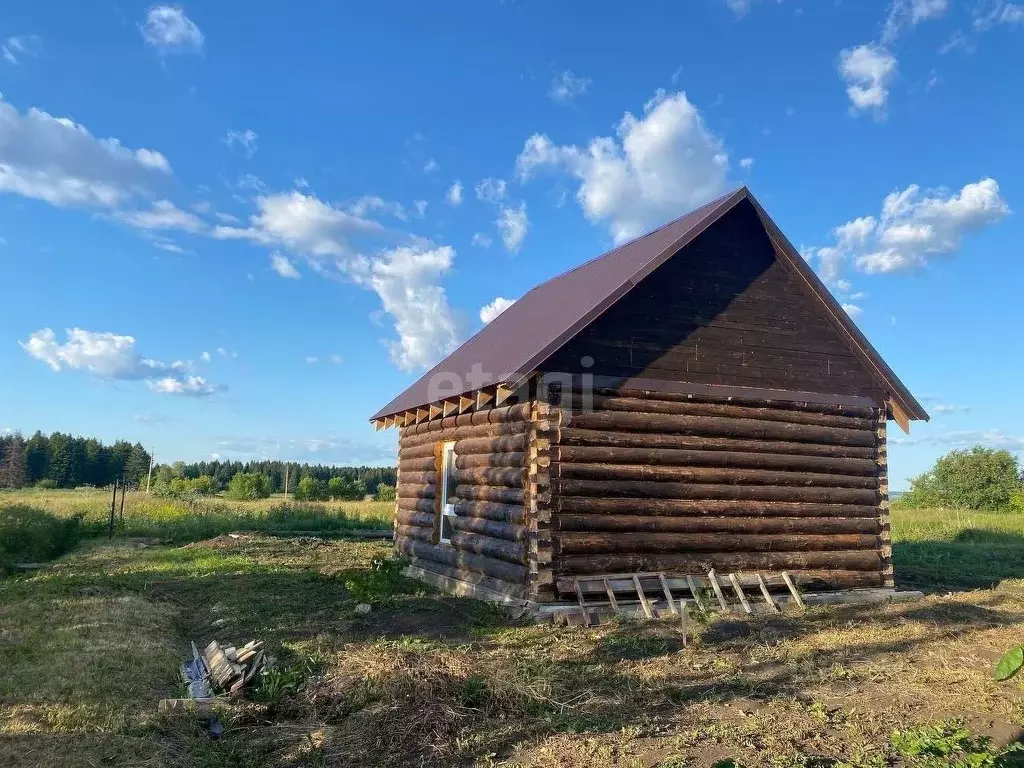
(283, 266)
(431, 166)
(421, 208)
(910, 13)
(312, 359)
(17, 47)
(222, 352)
(512, 226)
(659, 166)
(566, 86)
(190, 385)
(491, 190)
(245, 139)
(867, 71)
(991, 438)
(162, 215)
(168, 29)
(912, 229)
(205, 357)
(375, 204)
(946, 408)
(406, 278)
(490, 311)
(303, 223)
(336, 359)
(992, 12)
(481, 239)
(227, 218)
(747, 163)
(57, 160)
(407, 281)
(113, 356)
(454, 196)
(852, 310)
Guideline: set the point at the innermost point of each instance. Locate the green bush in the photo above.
(385, 492)
(340, 488)
(46, 484)
(311, 489)
(184, 488)
(28, 534)
(978, 478)
(247, 486)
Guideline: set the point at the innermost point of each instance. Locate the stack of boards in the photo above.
(230, 668)
(215, 675)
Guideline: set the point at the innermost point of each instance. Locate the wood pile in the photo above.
(230, 669)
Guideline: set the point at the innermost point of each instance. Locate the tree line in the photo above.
(310, 476)
(60, 460)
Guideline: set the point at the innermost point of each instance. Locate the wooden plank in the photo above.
(502, 395)
(900, 416)
(718, 591)
(793, 590)
(668, 593)
(767, 595)
(695, 591)
(610, 592)
(582, 602)
(683, 619)
(739, 592)
(643, 598)
(466, 403)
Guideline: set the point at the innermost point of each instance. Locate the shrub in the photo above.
(311, 489)
(385, 492)
(28, 534)
(46, 484)
(344, 489)
(978, 478)
(183, 488)
(246, 486)
(336, 487)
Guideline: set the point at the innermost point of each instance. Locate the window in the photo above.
(448, 483)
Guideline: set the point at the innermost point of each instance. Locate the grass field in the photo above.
(90, 644)
(178, 521)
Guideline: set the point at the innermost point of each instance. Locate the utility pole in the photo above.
(149, 477)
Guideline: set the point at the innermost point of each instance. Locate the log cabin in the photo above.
(694, 399)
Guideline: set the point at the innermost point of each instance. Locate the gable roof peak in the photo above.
(511, 347)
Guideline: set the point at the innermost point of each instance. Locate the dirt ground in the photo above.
(89, 645)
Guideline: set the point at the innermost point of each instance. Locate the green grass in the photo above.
(178, 521)
(937, 549)
(89, 645)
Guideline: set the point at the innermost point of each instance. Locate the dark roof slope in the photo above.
(512, 345)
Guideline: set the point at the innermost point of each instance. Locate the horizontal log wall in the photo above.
(667, 482)
(489, 542)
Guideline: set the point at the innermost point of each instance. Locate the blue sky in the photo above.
(237, 230)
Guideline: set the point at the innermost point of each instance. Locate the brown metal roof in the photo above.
(511, 346)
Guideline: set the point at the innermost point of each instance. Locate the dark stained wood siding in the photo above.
(681, 484)
(723, 311)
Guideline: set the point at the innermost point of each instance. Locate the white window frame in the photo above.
(447, 507)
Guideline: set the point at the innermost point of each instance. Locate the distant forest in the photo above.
(223, 471)
(65, 461)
